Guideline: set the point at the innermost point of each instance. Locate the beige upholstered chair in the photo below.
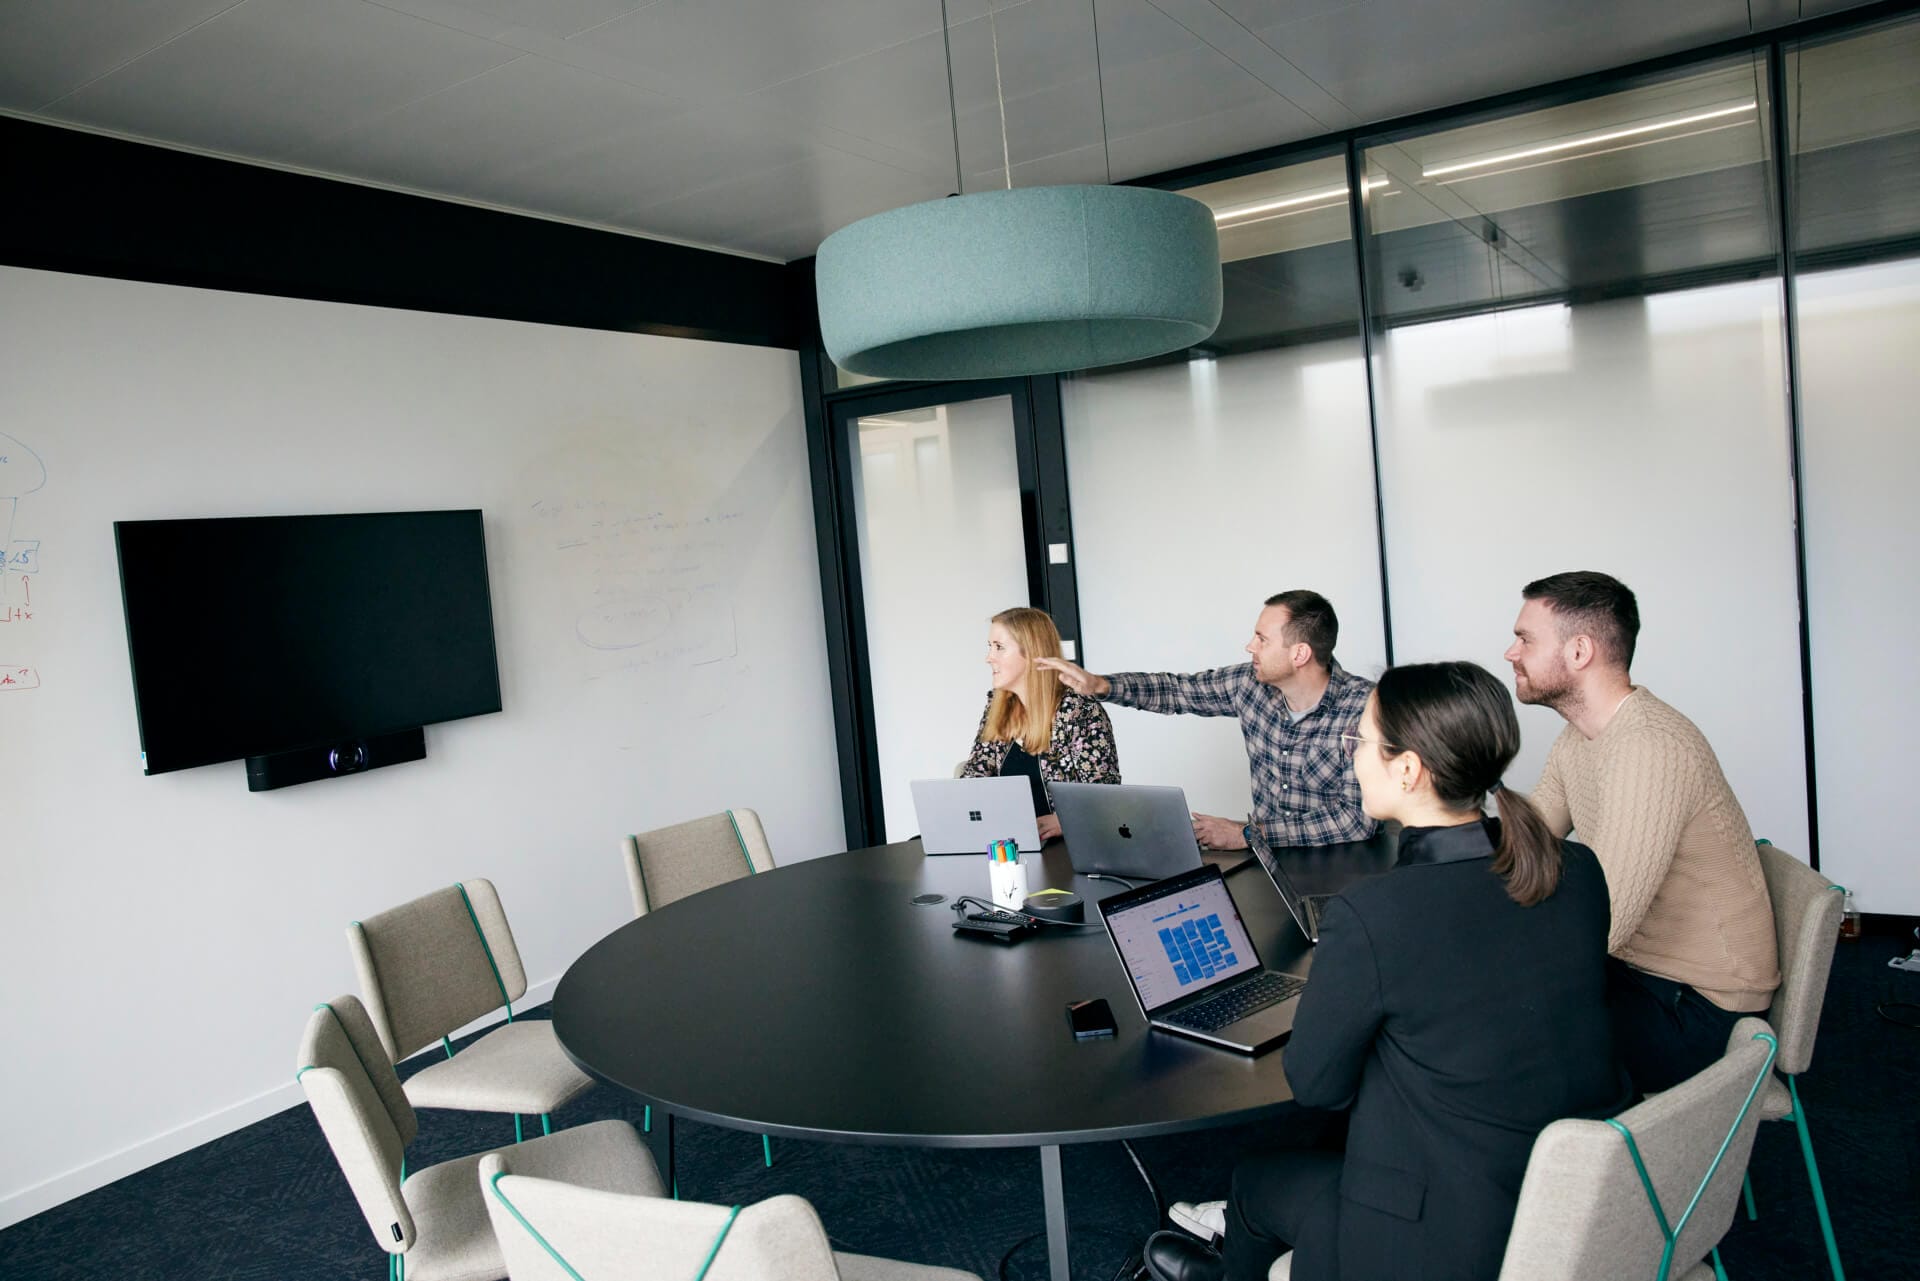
(670, 863)
(551, 1231)
(433, 1223)
(1584, 1212)
(428, 968)
(1806, 925)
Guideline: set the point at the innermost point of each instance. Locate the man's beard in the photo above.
(1561, 694)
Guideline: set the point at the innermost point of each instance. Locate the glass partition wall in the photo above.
(1657, 323)
(1576, 318)
(1854, 178)
(1205, 483)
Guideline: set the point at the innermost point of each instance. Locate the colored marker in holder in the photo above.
(1007, 875)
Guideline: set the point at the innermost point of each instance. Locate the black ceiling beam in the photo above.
(102, 206)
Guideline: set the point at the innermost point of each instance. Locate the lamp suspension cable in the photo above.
(1100, 87)
(1000, 96)
(953, 107)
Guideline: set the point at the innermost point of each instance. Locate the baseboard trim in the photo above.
(18, 1206)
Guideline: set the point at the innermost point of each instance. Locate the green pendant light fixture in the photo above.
(1028, 280)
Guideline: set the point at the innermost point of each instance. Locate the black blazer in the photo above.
(1456, 1025)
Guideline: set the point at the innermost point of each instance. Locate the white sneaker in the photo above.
(1205, 1219)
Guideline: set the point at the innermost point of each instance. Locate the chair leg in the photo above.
(1719, 1271)
(766, 1148)
(646, 1119)
(546, 1123)
(518, 1135)
(1813, 1177)
(1746, 1188)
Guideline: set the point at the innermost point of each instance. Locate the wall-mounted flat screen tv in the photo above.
(255, 636)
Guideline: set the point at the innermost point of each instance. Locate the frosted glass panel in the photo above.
(1860, 468)
(937, 500)
(1646, 438)
(1199, 490)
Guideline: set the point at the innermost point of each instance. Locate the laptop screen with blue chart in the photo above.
(1181, 941)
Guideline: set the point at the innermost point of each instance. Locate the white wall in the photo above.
(1199, 490)
(1646, 438)
(1860, 472)
(163, 938)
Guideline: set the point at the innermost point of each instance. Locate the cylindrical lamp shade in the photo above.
(1029, 281)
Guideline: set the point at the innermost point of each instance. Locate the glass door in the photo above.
(941, 497)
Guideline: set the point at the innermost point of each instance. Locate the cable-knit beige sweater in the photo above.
(1689, 900)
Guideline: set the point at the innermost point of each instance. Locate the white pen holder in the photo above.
(1009, 885)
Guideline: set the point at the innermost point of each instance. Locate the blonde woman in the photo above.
(1035, 726)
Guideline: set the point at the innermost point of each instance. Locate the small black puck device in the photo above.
(1056, 905)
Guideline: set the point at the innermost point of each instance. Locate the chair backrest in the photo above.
(362, 1110)
(1584, 1214)
(666, 865)
(608, 1236)
(436, 964)
(1806, 925)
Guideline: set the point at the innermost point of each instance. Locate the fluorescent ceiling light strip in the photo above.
(1587, 140)
(1257, 219)
(1336, 194)
(1586, 155)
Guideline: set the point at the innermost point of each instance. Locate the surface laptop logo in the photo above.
(1126, 833)
(973, 816)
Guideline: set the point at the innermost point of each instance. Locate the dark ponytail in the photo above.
(1459, 719)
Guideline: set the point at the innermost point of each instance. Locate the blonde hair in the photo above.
(1007, 717)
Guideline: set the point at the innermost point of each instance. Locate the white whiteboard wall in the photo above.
(656, 600)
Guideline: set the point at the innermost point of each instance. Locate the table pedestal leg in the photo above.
(673, 1186)
(1053, 1193)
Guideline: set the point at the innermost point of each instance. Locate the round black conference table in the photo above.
(820, 1001)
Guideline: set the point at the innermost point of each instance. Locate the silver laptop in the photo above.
(1143, 833)
(965, 815)
(1194, 968)
(1305, 908)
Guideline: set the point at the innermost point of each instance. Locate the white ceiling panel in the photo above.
(271, 76)
(1385, 58)
(763, 125)
(777, 212)
(51, 48)
(623, 175)
(471, 135)
(716, 48)
(496, 19)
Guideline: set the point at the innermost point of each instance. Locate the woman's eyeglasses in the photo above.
(1350, 743)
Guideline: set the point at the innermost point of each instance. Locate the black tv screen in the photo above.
(264, 634)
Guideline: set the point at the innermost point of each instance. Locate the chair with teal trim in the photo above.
(551, 1231)
(1648, 1194)
(669, 863)
(433, 1223)
(1806, 925)
(666, 865)
(432, 966)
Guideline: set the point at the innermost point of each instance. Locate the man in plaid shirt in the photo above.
(1294, 702)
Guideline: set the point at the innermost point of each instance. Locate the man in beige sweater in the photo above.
(1692, 938)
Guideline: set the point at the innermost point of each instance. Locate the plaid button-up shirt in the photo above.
(1304, 791)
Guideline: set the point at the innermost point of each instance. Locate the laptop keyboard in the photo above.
(1270, 988)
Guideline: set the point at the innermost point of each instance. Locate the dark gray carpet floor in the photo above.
(269, 1202)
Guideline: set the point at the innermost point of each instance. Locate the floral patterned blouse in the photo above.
(1082, 749)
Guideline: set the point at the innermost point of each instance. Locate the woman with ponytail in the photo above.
(1456, 1006)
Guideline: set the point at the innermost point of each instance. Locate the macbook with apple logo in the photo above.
(1121, 831)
